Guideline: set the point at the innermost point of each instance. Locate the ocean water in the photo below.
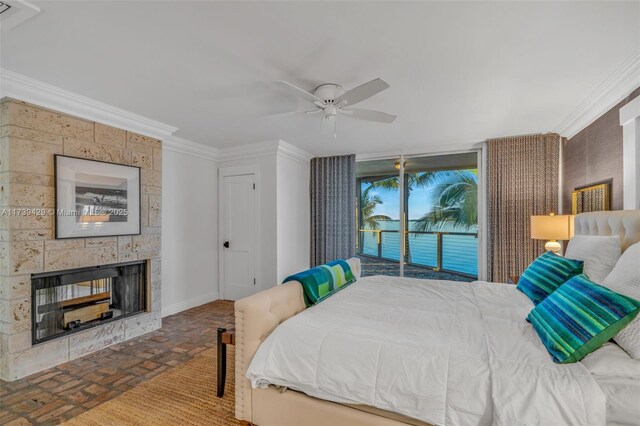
(459, 252)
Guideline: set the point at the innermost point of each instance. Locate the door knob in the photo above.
(226, 244)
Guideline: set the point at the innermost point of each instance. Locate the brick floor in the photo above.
(60, 393)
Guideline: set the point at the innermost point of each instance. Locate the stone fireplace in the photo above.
(29, 137)
(65, 302)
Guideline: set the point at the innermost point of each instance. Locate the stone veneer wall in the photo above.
(29, 138)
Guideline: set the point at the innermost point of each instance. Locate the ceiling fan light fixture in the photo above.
(397, 165)
(330, 111)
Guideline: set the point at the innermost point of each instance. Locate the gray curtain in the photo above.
(333, 208)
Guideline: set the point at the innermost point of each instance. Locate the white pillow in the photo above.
(611, 360)
(625, 279)
(599, 254)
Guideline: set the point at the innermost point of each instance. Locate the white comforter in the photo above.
(438, 351)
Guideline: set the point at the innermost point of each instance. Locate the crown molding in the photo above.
(18, 86)
(27, 89)
(194, 149)
(610, 92)
(265, 149)
(630, 111)
(293, 152)
(254, 150)
(441, 149)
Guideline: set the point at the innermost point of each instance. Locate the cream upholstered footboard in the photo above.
(256, 317)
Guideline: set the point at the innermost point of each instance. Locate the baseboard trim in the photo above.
(174, 308)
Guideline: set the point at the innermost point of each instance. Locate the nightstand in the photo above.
(513, 279)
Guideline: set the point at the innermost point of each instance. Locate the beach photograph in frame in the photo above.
(96, 198)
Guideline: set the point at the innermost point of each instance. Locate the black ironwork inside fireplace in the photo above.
(68, 301)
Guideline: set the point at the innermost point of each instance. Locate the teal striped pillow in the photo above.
(340, 272)
(579, 317)
(322, 281)
(546, 274)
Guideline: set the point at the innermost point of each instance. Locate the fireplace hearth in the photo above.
(65, 302)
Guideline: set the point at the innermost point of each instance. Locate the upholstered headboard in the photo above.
(625, 223)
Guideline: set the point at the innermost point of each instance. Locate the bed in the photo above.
(397, 351)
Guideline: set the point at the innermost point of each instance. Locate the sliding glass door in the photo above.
(418, 216)
(379, 239)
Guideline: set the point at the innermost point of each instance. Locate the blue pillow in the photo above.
(546, 274)
(579, 317)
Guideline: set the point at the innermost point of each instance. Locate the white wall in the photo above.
(293, 216)
(190, 231)
(190, 240)
(630, 122)
(284, 207)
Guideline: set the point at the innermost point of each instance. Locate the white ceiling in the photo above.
(459, 72)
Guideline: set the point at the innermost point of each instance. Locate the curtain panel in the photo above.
(333, 208)
(522, 180)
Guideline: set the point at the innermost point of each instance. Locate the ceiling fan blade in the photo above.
(370, 115)
(299, 92)
(286, 113)
(362, 92)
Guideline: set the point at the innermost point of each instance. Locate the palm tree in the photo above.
(412, 180)
(368, 204)
(455, 201)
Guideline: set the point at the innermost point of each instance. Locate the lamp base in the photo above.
(553, 246)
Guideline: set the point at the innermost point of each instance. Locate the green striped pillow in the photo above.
(579, 317)
(546, 274)
(323, 281)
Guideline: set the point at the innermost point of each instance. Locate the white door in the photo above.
(239, 236)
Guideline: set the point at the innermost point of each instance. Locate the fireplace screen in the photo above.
(68, 301)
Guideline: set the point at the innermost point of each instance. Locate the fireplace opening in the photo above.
(69, 301)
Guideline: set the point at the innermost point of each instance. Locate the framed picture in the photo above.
(591, 198)
(95, 198)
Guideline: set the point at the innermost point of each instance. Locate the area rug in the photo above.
(184, 395)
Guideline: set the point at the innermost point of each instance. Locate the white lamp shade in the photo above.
(551, 227)
(572, 225)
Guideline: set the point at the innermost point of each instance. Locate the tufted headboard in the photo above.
(625, 223)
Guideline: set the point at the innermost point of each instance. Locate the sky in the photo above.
(419, 202)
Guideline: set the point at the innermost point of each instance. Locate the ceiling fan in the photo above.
(332, 100)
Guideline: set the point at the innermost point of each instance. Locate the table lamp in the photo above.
(552, 228)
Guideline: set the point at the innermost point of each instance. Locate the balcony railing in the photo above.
(454, 252)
